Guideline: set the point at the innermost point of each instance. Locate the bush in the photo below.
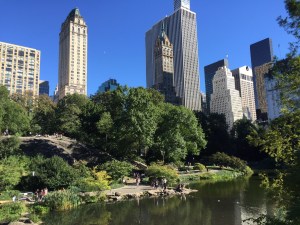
(53, 173)
(11, 171)
(39, 209)
(9, 146)
(11, 212)
(62, 200)
(157, 171)
(95, 181)
(117, 169)
(222, 159)
(200, 167)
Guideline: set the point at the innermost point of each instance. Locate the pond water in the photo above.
(222, 203)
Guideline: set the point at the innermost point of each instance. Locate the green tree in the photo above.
(158, 171)
(105, 127)
(243, 149)
(15, 118)
(53, 173)
(9, 147)
(116, 169)
(140, 122)
(215, 129)
(11, 171)
(44, 114)
(178, 134)
(69, 113)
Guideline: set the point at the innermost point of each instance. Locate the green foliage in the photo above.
(39, 209)
(96, 181)
(68, 114)
(292, 23)
(216, 134)
(223, 159)
(9, 147)
(62, 200)
(243, 149)
(44, 115)
(117, 169)
(281, 140)
(200, 167)
(178, 134)
(11, 171)
(158, 171)
(11, 212)
(53, 173)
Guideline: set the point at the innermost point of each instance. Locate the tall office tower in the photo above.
(204, 103)
(109, 85)
(225, 99)
(181, 28)
(72, 76)
(209, 72)
(44, 87)
(164, 68)
(244, 84)
(20, 69)
(261, 72)
(261, 53)
(273, 98)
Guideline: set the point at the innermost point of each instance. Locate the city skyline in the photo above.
(113, 32)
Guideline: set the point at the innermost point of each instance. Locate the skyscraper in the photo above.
(72, 76)
(273, 98)
(109, 85)
(164, 68)
(261, 53)
(44, 87)
(181, 28)
(20, 69)
(262, 105)
(209, 72)
(244, 84)
(225, 99)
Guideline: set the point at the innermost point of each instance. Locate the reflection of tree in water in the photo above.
(215, 204)
(95, 214)
(163, 211)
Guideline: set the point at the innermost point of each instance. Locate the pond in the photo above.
(222, 203)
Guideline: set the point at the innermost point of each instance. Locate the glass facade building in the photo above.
(181, 28)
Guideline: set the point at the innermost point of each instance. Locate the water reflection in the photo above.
(214, 204)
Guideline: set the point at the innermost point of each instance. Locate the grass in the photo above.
(223, 175)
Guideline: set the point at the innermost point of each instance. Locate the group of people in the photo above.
(40, 194)
(156, 183)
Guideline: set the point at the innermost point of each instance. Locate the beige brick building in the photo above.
(72, 76)
(20, 69)
(225, 99)
(244, 84)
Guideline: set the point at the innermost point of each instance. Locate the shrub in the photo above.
(39, 209)
(200, 167)
(62, 200)
(54, 173)
(96, 181)
(11, 212)
(9, 146)
(11, 171)
(116, 169)
(157, 171)
(222, 159)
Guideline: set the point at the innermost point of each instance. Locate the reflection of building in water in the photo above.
(244, 211)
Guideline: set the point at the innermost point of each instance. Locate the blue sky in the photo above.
(116, 38)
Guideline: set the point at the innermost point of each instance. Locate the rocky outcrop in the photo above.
(149, 193)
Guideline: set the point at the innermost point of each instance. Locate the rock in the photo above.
(118, 194)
